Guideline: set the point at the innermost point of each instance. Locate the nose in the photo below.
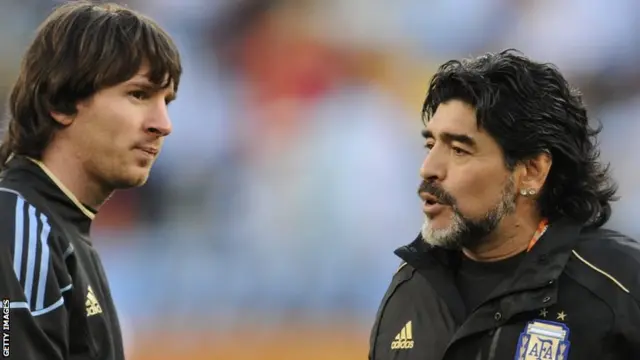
(159, 122)
(433, 169)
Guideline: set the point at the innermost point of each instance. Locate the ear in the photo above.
(62, 118)
(534, 173)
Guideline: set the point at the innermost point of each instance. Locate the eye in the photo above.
(459, 151)
(428, 145)
(139, 94)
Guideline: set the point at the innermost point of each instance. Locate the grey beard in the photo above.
(467, 233)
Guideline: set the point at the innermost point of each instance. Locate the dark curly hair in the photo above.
(529, 108)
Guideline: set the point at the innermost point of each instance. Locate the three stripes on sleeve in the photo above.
(31, 261)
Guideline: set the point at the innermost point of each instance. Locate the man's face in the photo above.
(467, 189)
(118, 133)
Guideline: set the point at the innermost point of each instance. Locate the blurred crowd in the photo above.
(292, 171)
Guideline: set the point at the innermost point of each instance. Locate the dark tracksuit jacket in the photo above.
(574, 296)
(56, 302)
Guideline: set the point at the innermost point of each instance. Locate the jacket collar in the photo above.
(46, 184)
(543, 264)
(534, 283)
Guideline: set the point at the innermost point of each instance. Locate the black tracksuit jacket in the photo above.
(574, 296)
(56, 303)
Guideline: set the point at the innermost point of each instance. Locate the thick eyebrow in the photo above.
(451, 137)
(148, 86)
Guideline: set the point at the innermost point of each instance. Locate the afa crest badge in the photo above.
(543, 340)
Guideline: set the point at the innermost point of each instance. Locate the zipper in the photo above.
(494, 344)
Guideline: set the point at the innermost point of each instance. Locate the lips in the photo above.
(149, 149)
(429, 199)
(432, 205)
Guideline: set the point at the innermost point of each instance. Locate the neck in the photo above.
(70, 172)
(509, 239)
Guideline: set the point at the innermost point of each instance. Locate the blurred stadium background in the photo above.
(267, 229)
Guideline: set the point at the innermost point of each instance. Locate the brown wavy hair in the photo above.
(81, 48)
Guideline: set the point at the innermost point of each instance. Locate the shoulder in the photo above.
(604, 255)
(400, 267)
(9, 198)
(402, 274)
(22, 223)
(17, 214)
